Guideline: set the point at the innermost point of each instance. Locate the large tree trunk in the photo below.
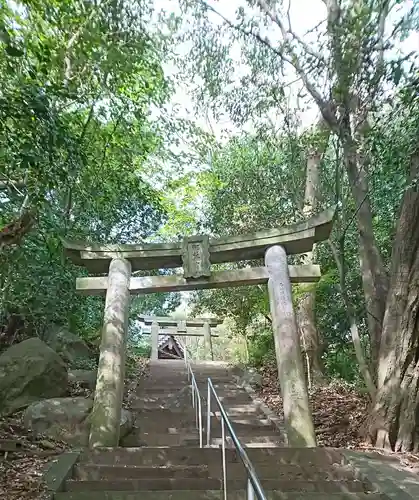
(306, 318)
(396, 408)
(374, 274)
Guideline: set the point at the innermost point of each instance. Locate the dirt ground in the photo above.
(339, 416)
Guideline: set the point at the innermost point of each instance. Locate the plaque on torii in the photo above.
(195, 255)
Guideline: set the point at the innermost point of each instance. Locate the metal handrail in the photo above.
(196, 397)
(254, 488)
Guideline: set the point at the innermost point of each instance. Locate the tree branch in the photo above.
(379, 70)
(324, 106)
(285, 32)
(264, 41)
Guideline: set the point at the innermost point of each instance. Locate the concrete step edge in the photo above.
(152, 484)
(209, 495)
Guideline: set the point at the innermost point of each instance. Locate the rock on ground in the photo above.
(30, 371)
(68, 345)
(86, 379)
(67, 419)
(252, 377)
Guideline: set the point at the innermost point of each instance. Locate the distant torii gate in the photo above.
(187, 327)
(196, 254)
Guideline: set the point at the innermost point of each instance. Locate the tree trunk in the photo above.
(374, 275)
(306, 317)
(396, 409)
(353, 327)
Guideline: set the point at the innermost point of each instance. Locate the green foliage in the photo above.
(261, 347)
(84, 364)
(248, 170)
(77, 82)
(340, 362)
(143, 350)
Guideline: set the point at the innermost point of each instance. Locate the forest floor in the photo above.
(21, 472)
(340, 415)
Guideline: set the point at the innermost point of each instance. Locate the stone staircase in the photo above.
(162, 458)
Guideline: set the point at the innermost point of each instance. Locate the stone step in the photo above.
(173, 365)
(234, 471)
(179, 414)
(209, 373)
(172, 426)
(257, 441)
(162, 372)
(252, 436)
(162, 385)
(230, 400)
(292, 472)
(227, 397)
(211, 495)
(183, 402)
(244, 421)
(163, 422)
(147, 386)
(239, 409)
(255, 414)
(171, 415)
(169, 376)
(166, 439)
(146, 484)
(175, 391)
(160, 403)
(194, 455)
(251, 426)
(203, 381)
(186, 399)
(91, 472)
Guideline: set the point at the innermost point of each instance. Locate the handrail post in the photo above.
(200, 422)
(185, 357)
(196, 416)
(223, 451)
(250, 490)
(193, 392)
(208, 414)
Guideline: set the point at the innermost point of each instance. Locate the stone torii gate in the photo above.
(196, 254)
(187, 327)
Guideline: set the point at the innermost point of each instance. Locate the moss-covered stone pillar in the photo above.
(208, 341)
(106, 414)
(297, 415)
(155, 340)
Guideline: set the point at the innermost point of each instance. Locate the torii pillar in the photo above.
(107, 406)
(155, 340)
(208, 341)
(297, 414)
